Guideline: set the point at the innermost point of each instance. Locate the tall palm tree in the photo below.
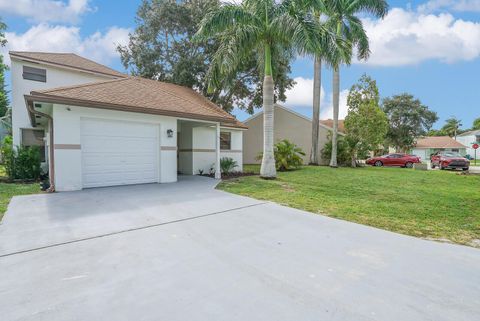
(451, 127)
(342, 19)
(263, 27)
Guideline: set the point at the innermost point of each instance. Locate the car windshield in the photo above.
(451, 154)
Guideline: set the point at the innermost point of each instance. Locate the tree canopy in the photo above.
(408, 120)
(3, 92)
(162, 48)
(452, 126)
(476, 124)
(366, 124)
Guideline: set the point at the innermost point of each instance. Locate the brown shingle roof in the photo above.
(69, 60)
(438, 142)
(329, 123)
(137, 94)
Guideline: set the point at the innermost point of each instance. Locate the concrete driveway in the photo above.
(188, 252)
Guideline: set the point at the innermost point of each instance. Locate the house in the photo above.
(468, 139)
(427, 146)
(99, 127)
(288, 124)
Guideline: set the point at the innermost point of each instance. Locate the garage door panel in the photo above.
(119, 153)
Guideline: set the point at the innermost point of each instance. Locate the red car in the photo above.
(402, 160)
(444, 159)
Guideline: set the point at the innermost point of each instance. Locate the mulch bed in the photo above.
(232, 175)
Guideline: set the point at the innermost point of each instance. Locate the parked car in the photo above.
(452, 160)
(402, 160)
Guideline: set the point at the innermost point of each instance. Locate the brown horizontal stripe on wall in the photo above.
(198, 150)
(168, 148)
(68, 146)
(231, 151)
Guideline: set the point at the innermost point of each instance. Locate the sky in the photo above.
(428, 48)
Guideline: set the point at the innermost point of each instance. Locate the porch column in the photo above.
(218, 174)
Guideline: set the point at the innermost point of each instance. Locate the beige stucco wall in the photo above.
(287, 125)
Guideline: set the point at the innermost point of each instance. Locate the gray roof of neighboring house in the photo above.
(471, 132)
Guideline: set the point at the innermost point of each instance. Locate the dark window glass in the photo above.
(225, 140)
(34, 74)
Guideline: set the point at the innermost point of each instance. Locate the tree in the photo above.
(408, 119)
(3, 68)
(264, 29)
(451, 127)
(366, 124)
(162, 48)
(342, 19)
(476, 124)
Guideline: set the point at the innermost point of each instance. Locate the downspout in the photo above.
(51, 157)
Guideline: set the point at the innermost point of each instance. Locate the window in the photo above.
(34, 137)
(34, 74)
(225, 140)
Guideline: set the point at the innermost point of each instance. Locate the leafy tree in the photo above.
(162, 48)
(452, 126)
(476, 124)
(264, 29)
(3, 68)
(366, 124)
(343, 154)
(408, 119)
(342, 19)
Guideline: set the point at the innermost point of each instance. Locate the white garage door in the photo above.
(118, 153)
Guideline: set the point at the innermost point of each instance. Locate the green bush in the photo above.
(287, 155)
(21, 162)
(227, 165)
(343, 154)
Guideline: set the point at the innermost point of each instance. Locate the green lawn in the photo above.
(8, 190)
(433, 204)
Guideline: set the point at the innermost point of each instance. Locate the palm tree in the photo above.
(342, 19)
(262, 27)
(451, 127)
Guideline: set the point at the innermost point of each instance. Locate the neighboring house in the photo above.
(430, 145)
(468, 139)
(107, 128)
(288, 124)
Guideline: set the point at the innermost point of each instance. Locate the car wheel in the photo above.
(433, 166)
(408, 164)
(441, 166)
(465, 169)
(378, 164)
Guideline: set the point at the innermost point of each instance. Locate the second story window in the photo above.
(35, 74)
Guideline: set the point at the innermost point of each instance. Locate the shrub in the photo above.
(21, 162)
(343, 155)
(227, 165)
(287, 155)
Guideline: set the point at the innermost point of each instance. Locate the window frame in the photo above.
(222, 141)
(34, 74)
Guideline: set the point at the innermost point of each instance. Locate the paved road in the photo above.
(188, 252)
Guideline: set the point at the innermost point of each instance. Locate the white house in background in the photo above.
(468, 139)
(427, 146)
(99, 127)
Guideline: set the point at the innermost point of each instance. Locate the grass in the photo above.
(8, 190)
(428, 204)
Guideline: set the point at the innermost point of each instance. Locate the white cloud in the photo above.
(408, 37)
(46, 10)
(300, 97)
(455, 5)
(98, 46)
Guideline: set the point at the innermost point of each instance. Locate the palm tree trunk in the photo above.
(268, 170)
(317, 87)
(336, 98)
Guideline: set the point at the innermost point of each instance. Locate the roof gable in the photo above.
(137, 94)
(438, 142)
(68, 61)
